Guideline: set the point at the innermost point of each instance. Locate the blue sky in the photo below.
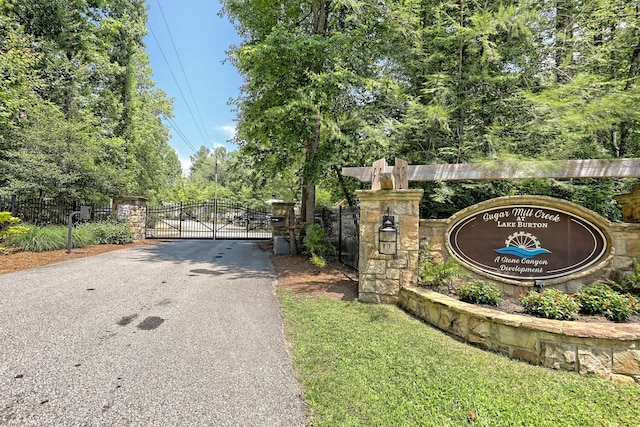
(200, 37)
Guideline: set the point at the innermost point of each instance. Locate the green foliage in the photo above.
(79, 114)
(318, 261)
(108, 232)
(436, 272)
(618, 307)
(7, 228)
(80, 237)
(317, 244)
(373, 365)
(49, 238)
(479, 292)
(602, 299)
(630, 283)
(551, 304)
(6, 222)
(41, 239)
(592, 298)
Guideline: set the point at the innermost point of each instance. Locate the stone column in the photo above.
(382, 276)
(286, 210)
(285, 229)
(630, 203)
(134, 210)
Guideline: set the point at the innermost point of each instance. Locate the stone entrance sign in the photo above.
(526, 241)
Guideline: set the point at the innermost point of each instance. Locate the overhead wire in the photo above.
(177, 84)
(181, 134)
(184, 74)
(184, 98)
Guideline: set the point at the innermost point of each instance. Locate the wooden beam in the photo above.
(562, 169)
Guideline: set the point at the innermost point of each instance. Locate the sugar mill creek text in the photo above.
(521, 218)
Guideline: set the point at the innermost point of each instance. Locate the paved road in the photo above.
(184, 333)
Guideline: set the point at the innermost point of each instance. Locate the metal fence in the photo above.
(208, 220)
(343, 228)
(48, 211)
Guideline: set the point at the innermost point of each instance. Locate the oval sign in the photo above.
(527, 242)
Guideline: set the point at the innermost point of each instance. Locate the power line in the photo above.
(184, 74)
(181, 134)
(177, 84)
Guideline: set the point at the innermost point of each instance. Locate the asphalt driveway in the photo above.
(183, 333)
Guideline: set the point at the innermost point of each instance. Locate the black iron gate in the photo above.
(343, 228)
(208, 220)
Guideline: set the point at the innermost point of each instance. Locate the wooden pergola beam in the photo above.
(592, 168)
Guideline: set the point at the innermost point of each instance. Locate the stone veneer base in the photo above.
(610, 350)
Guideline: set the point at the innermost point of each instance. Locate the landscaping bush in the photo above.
(109, 232)
(7, 228)
(602, 299)
(620, 307)
(317, 244)
(40, 239)
(49, 238)
(592, 298)
(551, 304)
(479, 292)
(631, 283)
(436, 272)
(80, 237)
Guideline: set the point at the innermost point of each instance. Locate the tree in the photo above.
(82, 118)
(311, 70)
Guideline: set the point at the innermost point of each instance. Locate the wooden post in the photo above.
(384, 177)
(400, 175)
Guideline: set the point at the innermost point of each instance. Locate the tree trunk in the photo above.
(632, 75)
(308, 179)
(564, 34)
(343, 186)
(320, 15)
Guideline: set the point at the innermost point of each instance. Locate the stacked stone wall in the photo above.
(610, 351)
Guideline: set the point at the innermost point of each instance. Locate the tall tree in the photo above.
(308, 65)
(90, 113)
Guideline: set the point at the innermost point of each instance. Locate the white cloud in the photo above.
(228, 130)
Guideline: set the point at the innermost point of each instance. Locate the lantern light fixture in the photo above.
(388, 235)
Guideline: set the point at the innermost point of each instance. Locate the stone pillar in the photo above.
(285, 210)
(630, 203)
(134, 210)
(284, 234)
(382, 276)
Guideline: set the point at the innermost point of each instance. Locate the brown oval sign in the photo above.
(527, 242)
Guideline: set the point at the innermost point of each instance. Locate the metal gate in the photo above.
(208, 220)
(343, 228)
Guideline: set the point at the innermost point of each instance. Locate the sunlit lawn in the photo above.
(374, 365)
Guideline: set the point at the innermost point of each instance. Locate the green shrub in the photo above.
(592, 298)
(109, 232)
(551, 304)
(81, 237)
(632, 283)
(7, 227)
(436, 272)
(602, 299)
(317, 244)
(479, 292)
(41, 239)
(318, 261)
(619, 307)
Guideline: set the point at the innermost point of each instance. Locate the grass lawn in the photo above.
(374, 365)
